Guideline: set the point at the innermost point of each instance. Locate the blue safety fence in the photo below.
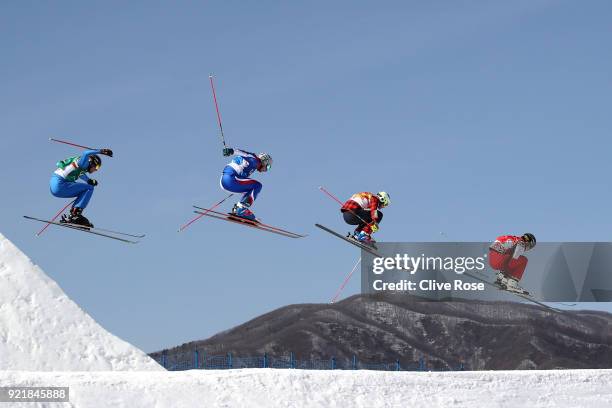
(201, 360)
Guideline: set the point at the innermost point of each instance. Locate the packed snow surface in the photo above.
(267, 387)
(47, 340)
(41, 329)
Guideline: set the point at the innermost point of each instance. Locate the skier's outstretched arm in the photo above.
(84, 160)
(228, 151)
(244, 153)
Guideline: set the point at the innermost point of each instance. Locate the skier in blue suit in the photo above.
(235, 178)
(64, 183)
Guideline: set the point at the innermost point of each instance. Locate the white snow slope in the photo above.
(267, 387)
(47, 340)
(41, 329)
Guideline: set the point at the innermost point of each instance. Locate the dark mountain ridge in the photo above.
(483, 335)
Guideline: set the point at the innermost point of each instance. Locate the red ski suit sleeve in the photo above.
(506, 244)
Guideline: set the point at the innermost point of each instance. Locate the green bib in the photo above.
(71, 173)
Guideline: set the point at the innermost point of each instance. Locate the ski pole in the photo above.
(54, 217)
(341, 204)
(348, 277)
(212, 85)
(333, 197)
(69, 143)
(204, 213)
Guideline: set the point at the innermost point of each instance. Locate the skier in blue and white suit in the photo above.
(235, 178)
(64, 182)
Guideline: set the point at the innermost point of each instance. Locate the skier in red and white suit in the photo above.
(506, 257)
(362, 209)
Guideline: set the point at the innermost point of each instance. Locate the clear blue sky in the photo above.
(478, 117)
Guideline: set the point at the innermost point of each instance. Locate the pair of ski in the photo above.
(257, 224)
(370, 248)
(525, 296)
(116, 235)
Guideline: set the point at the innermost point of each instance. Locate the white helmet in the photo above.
(384, 198)
(266, 161)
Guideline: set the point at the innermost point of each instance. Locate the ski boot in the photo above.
(364, 238)
(76, 217)
(242, 210)
(501, 279)
(513, 286)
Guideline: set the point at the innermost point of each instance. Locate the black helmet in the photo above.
(94, 161)
(529, 239)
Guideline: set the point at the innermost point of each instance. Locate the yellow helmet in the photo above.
(384, 198)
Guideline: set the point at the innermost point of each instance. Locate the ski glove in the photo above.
(106, 152)
(92, 182)
(374, 227)
(228, 151)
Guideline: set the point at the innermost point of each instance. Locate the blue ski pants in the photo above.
(67, 189)
(249, 187)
